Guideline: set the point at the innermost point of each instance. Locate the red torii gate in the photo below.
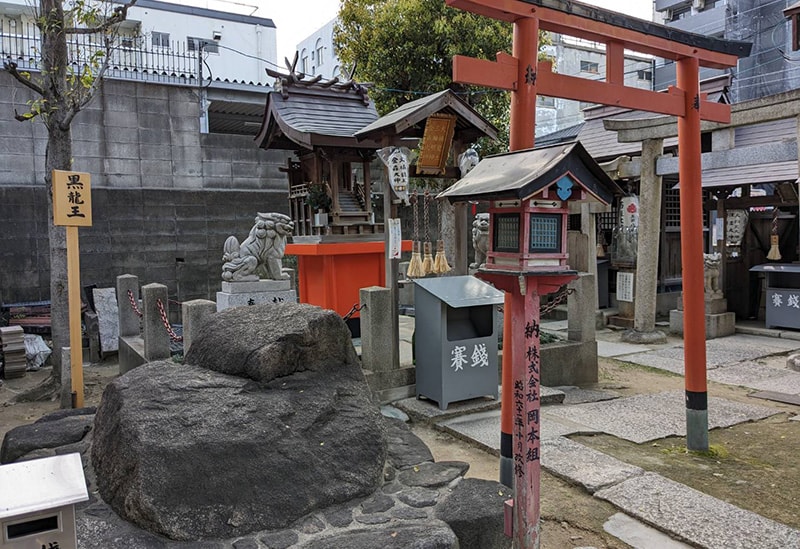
(525, 76)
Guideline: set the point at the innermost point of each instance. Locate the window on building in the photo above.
(645, 75)
(160, 39)
(590, 67)
(544, 101)
(194, 44)
(679, 12)
(304, 61)
(318, 48)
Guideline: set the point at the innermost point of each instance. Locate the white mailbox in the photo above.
(37, 502)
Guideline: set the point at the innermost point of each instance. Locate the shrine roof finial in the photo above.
(285, 81)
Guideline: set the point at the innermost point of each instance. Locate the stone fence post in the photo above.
(376, 328)
(581, 305)
(156, 338)
(128, 319)
(194, 315)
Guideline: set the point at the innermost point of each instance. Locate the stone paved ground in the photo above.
(745, 360)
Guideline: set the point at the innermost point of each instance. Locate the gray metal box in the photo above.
(783, 294)
(37, 502)
(455, 339)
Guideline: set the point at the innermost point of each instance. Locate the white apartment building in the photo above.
(164, 40)
(316, 53)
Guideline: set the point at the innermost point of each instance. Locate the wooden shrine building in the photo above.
(330, 176)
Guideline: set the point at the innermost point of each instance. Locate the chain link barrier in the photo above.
(354, 310)
(172, 335)
(133, 304)
(560, 297)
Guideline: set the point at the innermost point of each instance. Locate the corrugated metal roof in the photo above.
(565, 135)
(737, 176)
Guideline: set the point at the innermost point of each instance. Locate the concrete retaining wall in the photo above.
(165, 197)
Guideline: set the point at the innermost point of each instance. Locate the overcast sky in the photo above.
(296, 19)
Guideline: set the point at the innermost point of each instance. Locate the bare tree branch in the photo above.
(11, 67)
(119, 15)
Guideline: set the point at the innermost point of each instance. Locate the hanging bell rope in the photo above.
(774, 250)
(415, 265)
(440, 265)
(427, 259)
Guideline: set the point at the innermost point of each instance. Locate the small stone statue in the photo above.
(259, 256)
(711, 273)
(480, 239)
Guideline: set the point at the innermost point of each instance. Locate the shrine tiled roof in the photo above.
(303, 113)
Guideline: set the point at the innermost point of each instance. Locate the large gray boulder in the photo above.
(283, 426)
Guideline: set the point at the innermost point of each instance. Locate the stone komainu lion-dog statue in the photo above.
(480, 239)
(259, 256)
(711, 263)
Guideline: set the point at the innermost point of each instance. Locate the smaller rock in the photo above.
(372, 519)
(394, 413)
(793, 362)
(310, 525)
(68, 412)
(47, 434)
(409, 513)
(339, 518)
(377, 504)
(405, 448)
(474, 510)
(418, 497)
(245, 543)
(392, 488)
(279, 540)
(429, 534)
(433, 475)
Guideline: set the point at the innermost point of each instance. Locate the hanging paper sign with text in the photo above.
(395, 238)
(396, 160)
(435, 146)
(72, 199)
(629, 211)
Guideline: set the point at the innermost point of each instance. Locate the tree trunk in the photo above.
(58, 157)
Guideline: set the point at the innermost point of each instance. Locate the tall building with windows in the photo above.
(772, 66)
(577, 57)
(317, 55)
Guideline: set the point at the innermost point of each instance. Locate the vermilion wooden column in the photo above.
(525, 50)
(691, 198)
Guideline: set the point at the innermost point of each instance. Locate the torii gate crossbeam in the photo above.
(525, 76)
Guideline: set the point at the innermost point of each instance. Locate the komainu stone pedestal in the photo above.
(238, 294)
(719, 322)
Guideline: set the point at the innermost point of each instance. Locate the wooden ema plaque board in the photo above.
(72, 199)
(436, 141)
